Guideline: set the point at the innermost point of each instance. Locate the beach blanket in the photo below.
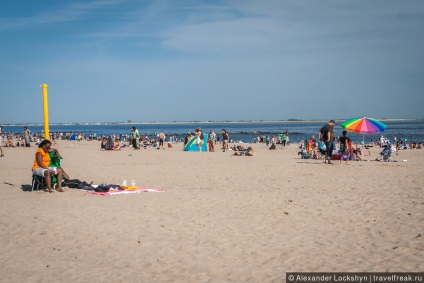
(112, 192)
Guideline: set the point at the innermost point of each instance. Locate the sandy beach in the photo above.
(220, 218)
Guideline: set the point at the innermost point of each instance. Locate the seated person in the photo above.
(107, 144)
(9, 142)
(42, 167)
(238, 148)
(248, 152)
(55, 158)
(118, 145)
(321, 147)
(356, 152)
(103, 144)
(54, 140)
(146, 143)
(319, 150)
(344, 147)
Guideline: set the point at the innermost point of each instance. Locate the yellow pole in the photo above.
(46, 112)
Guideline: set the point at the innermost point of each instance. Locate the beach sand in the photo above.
(221, 218)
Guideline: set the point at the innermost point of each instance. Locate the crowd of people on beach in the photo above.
(160, 140)
(137, 140)
(327, 146)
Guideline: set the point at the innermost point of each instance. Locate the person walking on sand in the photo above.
(135, 136)
(326, 134)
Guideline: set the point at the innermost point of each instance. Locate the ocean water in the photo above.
(244, 131)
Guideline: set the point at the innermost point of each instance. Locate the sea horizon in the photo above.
(194, 122)
(411, 129)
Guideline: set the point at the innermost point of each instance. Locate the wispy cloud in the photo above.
(280, 54)
(68, 13)
(289, 25)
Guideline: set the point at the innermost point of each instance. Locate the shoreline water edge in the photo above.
(410, 129)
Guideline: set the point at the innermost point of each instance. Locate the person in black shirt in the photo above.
(344, 152)
(326, 134)
(225, 140)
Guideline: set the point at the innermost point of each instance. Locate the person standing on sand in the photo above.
(1, 142)
(326, 134)
(135, 136)
(211, 141)
(345, 151)
(161, 139)
(225, 139)
(185, 139)
(284, 139)
(26, 137)
(199, 138)
(130, 137)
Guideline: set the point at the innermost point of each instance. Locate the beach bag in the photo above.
(77, 184)
(102, 188)
(73, 184)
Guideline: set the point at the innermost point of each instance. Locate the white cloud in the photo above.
(71, 12)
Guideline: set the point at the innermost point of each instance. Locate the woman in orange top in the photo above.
(41, 166)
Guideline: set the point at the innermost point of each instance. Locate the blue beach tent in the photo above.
(192, 146)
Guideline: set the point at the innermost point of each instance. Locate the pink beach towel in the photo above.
(120, 192)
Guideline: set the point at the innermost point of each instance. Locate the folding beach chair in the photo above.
(39, 183)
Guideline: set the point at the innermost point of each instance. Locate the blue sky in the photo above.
(119, 60)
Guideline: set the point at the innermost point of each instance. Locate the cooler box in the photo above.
(335, 157)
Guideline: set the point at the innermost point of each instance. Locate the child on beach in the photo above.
(344, 150)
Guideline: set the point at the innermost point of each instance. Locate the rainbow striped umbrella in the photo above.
(363, 125)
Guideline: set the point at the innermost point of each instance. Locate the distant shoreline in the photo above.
(194, 122)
